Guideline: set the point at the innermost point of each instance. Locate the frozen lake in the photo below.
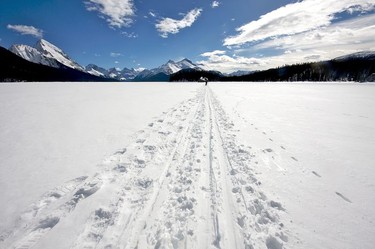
(268, 165)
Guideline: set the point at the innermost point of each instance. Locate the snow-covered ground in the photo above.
(162, 165)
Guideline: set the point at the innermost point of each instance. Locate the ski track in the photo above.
(183, 182)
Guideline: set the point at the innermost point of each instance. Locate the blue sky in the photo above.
(222, 35)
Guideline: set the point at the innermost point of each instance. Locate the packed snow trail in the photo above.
(184, 182)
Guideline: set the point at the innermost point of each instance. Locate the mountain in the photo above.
(33, 55)
(51, 51)
(129, 74)
(96, 70)
(14, 68)
(125, 74)
(163, 72)
(45, 53)
(239, 73)
(367, 55)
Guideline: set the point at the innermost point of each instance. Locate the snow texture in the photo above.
(229, 165)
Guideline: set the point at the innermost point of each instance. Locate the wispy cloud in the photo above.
(26, 30)
(213, 53)
(113, 54)
(171, 26)
(305, 31)
(118, 13)
(215, 4)
(326, 43)
(219, 60)
(129, 34)
(344, 37)
(296, 18)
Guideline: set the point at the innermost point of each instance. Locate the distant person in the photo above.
(203, 79)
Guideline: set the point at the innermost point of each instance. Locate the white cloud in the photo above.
(118, 13)
(26, 30)
(171, 26)
(213, 53)
(218, 60)
(129, 35)
(338, 39)
(296, 18)
(304, 31)
(326, 43)
(215, 4)
(113, 54)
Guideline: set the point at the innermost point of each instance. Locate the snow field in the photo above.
(182, 183)
(312, 148)
(234, 165)
(53, 132)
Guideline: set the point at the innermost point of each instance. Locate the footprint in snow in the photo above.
(295, 159)
(315, 173)
(343, 197)
(120, 152)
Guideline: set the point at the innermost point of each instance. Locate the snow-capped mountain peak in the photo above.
(168, 68)
(24, 51)
(186, 63)
(45, 53)
(52, 51)
(173, 67)
(114, 73)
(96, 70)
(32, 54)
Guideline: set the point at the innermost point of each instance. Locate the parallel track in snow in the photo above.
(184, 182)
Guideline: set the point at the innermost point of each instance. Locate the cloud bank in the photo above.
(168, 26)
(219, 60)
(118, 13)
(296, 18)
(305, 31)
(26, 30)
(339, 39)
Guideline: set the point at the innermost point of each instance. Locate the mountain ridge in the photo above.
(357, 66)
(14, 68)
(164, 71)
(45, 53)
